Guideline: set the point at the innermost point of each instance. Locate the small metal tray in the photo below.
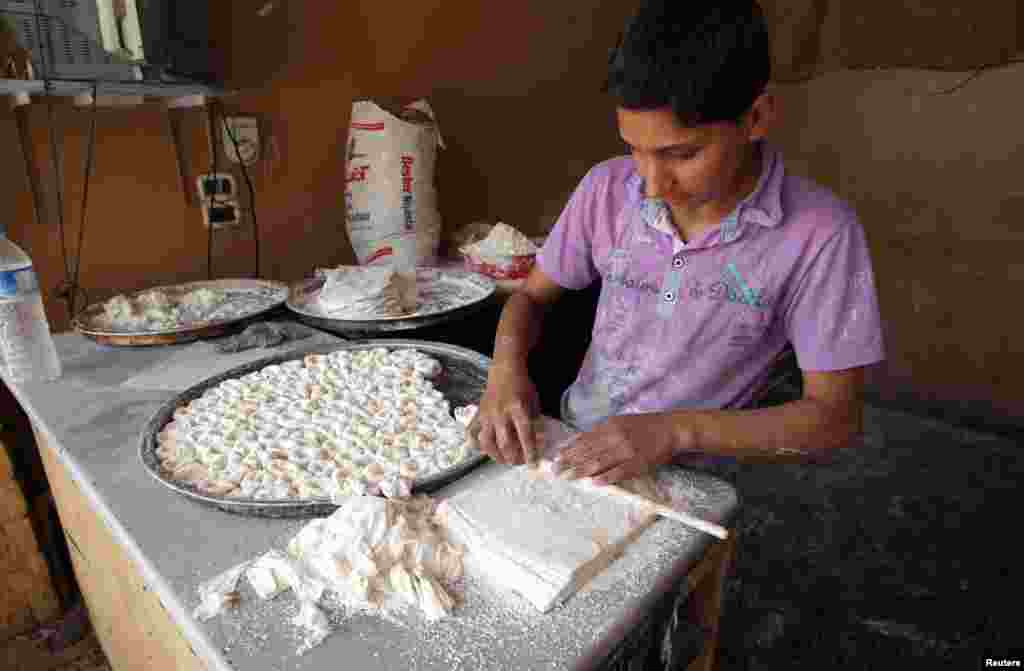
(91, 321)
(463, 382)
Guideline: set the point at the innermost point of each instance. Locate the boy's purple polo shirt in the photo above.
(698, 324)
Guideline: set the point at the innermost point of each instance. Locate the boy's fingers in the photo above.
(508, 447)
(580, 453)
(485, 441)
(524, 428)
(617, 474)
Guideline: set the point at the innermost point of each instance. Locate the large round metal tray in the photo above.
(446, 294)
(463, 382)
(91, 323)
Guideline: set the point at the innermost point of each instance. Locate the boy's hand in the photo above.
(503, 427)
(624, 447)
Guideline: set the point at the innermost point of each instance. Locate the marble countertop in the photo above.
(94, 415)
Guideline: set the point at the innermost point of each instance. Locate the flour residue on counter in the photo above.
(490, 629)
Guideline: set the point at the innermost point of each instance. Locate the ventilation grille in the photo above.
(57, 32)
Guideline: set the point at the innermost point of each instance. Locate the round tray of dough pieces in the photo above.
(462, 382)
(445, 294)
(246, 298)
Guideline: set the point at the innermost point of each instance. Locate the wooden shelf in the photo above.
(75, 87)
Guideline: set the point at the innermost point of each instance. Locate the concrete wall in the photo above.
(516, 88)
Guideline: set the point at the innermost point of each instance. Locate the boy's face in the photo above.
(689, 168)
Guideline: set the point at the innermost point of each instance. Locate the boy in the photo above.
(712, 259)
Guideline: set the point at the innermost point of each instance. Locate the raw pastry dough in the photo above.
(121, 309)
(156, 309)
(323, 427)
(203, 298)
(363, 292)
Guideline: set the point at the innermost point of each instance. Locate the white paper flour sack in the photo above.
(389, 182)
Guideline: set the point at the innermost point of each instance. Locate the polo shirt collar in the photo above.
(763, 206)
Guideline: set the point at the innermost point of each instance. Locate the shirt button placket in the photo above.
(670, 288)
(677, 264)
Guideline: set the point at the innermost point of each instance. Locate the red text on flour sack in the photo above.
(407, 200)
(358, 174)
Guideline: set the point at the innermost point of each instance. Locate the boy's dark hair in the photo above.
(708, 60)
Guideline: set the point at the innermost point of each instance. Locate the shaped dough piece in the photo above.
(120, 308)
(203, 298)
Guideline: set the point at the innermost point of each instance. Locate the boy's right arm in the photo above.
(503, 427)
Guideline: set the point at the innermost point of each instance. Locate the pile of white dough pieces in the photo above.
(156, 309)
(378, 555)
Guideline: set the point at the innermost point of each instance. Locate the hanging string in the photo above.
(252, 192)
(89, 161)
(212, 126)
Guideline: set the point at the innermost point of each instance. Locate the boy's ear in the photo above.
(762, 115)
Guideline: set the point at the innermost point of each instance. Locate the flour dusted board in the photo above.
(541, 537)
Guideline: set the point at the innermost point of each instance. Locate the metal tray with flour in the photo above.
(463, 382)
(444, 294)
(246, 298)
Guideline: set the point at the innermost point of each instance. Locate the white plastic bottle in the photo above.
(25, 339)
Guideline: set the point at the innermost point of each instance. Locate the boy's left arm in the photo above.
(827, 417)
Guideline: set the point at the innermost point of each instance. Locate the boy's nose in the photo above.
(658, 180)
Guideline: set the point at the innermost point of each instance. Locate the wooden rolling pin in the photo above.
(715, 530)
(548, 468)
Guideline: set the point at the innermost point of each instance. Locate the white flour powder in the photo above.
(503, 240)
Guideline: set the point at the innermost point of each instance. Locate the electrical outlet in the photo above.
(216, 187)
(245, 131)
(221, 214)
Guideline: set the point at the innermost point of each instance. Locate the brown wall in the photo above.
(516, 90)
(936, 179)
(139, 230)
(516, 87)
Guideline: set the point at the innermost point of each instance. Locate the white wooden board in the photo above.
(541, 537)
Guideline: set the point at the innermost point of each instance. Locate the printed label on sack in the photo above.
(389, 181)
(408, 210)
(17, 282)
(379, 254)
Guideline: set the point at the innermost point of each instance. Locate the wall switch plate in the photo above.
(221, 214)
(216, 187)
(246, 132)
